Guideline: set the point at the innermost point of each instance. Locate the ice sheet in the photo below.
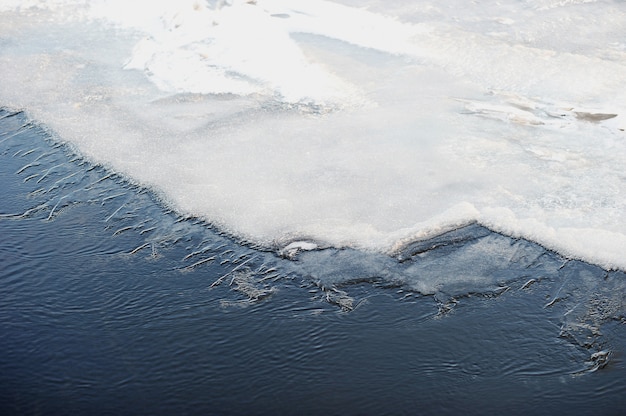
(370, 127)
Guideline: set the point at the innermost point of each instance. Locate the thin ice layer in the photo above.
(282, 120)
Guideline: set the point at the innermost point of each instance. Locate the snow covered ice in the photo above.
(362, 124)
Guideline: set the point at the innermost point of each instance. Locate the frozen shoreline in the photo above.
(106, 287)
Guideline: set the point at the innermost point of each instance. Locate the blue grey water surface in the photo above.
(112, 304)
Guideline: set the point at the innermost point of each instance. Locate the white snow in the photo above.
(327, 121)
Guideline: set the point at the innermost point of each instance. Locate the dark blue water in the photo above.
(111, 304)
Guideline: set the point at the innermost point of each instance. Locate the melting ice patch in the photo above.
(326, 123)
(237, 47)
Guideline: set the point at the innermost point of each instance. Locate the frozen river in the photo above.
(113, 304)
